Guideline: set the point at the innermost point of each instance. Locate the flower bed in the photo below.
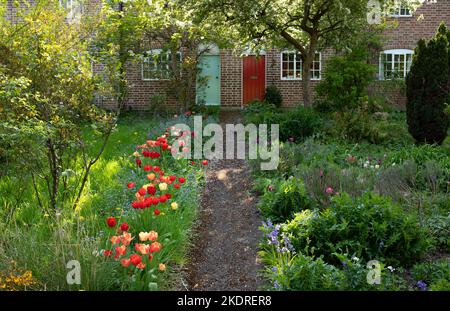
(141, 238)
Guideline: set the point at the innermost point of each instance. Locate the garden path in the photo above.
(225, 255)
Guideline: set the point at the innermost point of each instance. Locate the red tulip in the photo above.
(138, 162)
(155, 247)
(205, 162)
(130, 185)
(124, 226)
(181, 179)
(142, 191)
(177, 186)
(107, 253)
(147, 168)
(162, 199)
(151, 190)
(135, 259)
(111, 222)
(157, 212)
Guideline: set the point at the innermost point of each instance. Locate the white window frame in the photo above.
(398, 11)
(147, 58)
(74, 7)
(301, 67)
(393, 52)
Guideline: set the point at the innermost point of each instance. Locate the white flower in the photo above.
(390, 268)
(377, 166)
(355, 258)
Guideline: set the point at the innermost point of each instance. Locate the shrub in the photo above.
(302, 272)
(256, 106)
(325, 181)
(345, 82)
(435, 274)
(273, 96)
(370, 227)
(295, 125)
(439, 228)
(283, 198)
(428, 89)
(357, 125)
(299, 124)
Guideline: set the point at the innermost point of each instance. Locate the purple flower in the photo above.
(276, 285)
(270, 187)
(422, 285)
(321, 173)
(291, 139)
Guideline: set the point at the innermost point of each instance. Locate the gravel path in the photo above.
(225, 256)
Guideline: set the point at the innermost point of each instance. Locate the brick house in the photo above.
(233, 80)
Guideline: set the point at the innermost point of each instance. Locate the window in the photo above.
(291, 66)
(74, 8)
(156, 65)
(395, 64)
(401, 10)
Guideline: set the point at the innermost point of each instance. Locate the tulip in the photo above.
(135, 259)
(174, 206)
(163, 186)
(124, 226)
(111, 222)
(155, 247)
(125, 262)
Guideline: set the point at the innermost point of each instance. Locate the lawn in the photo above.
(36, 245)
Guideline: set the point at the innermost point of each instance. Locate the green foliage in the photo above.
(282, 198)
(428, 89)
(46, 96)
(357, 125)
(435, 274)
(298, 124)
(258, 107)
(295, 125)
(345, 82)
(273, 96)
(370, 227)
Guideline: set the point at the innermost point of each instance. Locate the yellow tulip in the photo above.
(163, 186)
(174, 206)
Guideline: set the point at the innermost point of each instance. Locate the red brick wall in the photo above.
(231, 79)
(405, 34)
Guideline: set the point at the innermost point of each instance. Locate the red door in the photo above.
(254, 78)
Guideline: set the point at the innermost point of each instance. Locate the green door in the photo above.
(208, 82)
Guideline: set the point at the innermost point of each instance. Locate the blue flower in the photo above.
(276, 285)
(422, 285)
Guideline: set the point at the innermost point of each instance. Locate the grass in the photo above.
(43, 243)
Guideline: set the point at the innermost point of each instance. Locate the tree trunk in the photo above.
(306, 69)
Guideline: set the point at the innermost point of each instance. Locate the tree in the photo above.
(347, 76)
(117, 34)
(46, 99)
(428, 88)
(174, 27)
(305, 25)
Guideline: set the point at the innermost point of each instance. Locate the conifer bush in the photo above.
(428, 88)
